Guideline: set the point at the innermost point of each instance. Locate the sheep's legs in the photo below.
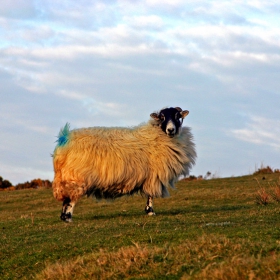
(67, 210)
(149, 207)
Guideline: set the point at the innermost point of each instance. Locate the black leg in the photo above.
(67, 210)
(149, 207)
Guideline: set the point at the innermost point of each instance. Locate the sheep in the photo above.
(109, 162)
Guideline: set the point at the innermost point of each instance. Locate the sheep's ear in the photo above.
(184, 114)
(155, 116)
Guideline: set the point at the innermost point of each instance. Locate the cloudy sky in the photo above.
(112, 63)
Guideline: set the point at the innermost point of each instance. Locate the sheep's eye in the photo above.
(177, 116)
(162, 118)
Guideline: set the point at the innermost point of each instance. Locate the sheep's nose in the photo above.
(170, 130)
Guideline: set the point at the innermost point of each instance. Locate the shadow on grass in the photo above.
(112, 216)
(201, 209)
(163, 212)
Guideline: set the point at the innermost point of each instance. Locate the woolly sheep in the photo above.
(112, 162)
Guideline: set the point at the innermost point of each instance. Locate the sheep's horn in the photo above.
(179, 109)
(155, 116)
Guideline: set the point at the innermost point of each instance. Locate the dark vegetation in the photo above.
(34, 184)
(266, 170)
(4, 184)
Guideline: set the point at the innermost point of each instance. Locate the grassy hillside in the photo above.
(207, 229)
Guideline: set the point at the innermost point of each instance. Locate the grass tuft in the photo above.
(262, 197)
(275, 194)
(272, 193)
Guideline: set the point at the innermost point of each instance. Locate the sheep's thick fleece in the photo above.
(111, 162)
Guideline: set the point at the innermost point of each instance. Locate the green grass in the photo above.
(207, 229)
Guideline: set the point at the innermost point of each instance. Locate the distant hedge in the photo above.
(34, 184)
(4, 184)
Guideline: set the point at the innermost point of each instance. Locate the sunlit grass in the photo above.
(207, 228)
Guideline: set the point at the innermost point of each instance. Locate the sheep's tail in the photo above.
(58, 160)
(63, 135)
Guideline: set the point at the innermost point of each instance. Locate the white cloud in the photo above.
(259, 130)
(17, 8)
(35, 34)
(164, 2)
(71, 94)
(109, 109)
(150, 21)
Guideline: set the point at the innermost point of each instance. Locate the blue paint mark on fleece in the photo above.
(63, 135)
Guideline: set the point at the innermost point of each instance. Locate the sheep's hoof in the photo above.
(66, 217)
(150, 211)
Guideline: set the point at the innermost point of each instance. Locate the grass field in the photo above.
(207, 229)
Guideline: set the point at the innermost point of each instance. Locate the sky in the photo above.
(113, 63)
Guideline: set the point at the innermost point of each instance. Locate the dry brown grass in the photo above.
(199, 259)
(240, 267)
(275, 194)
(262, 197)
(271, 192)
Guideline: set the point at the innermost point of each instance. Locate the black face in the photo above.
(170, 121)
